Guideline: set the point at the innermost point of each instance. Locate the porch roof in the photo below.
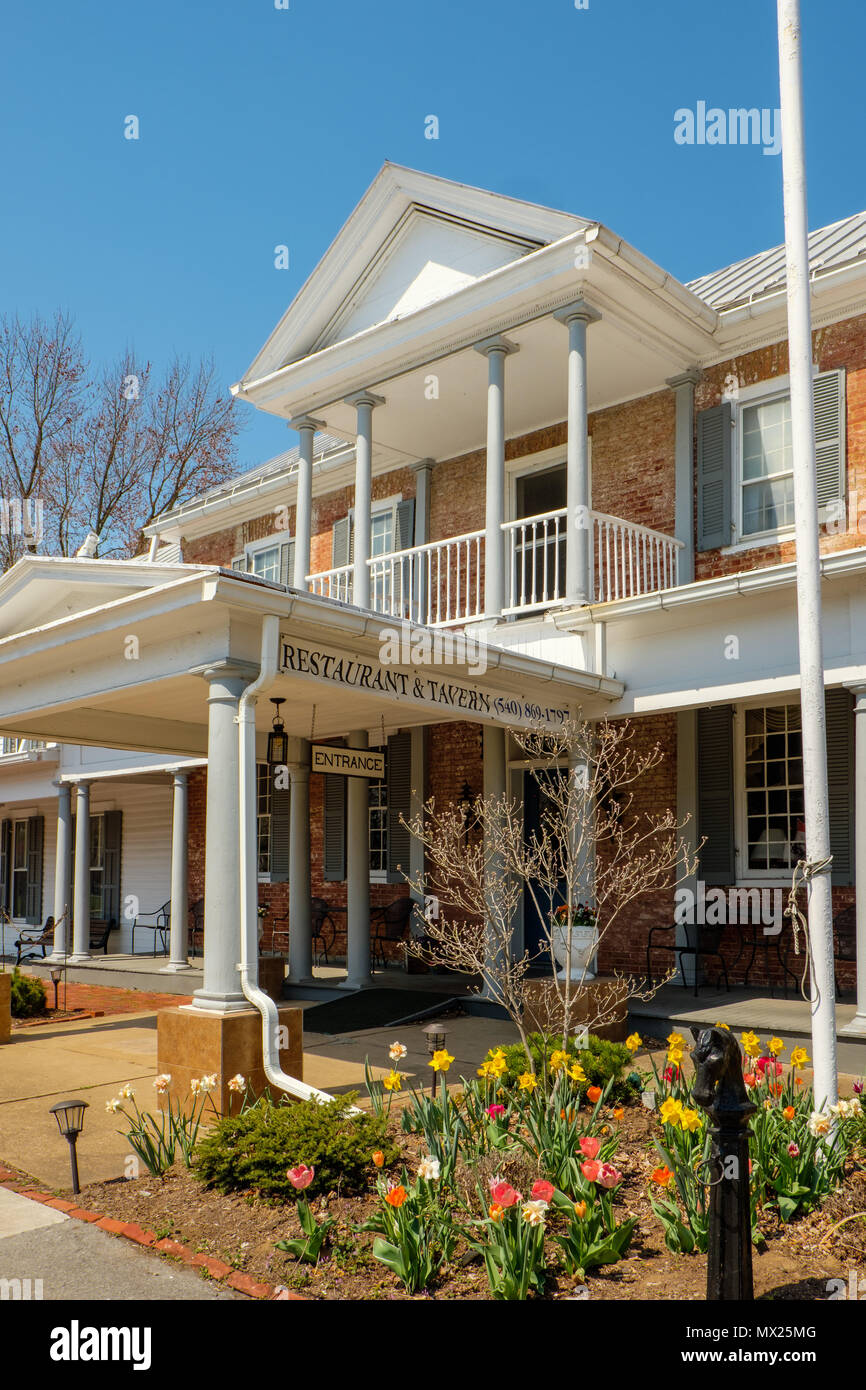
(113, 653)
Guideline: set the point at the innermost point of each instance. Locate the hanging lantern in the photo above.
(278, 739)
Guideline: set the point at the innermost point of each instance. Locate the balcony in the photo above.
(21, 747)
(441, 584)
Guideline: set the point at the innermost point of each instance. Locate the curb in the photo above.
(215, 1269)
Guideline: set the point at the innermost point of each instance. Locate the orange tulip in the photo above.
(580, 1209)
(495, 1211)
(618, 1113)
(396, 1196)
(789, 1112)
(593, 1094)
(662, 1176)
(378, 1158)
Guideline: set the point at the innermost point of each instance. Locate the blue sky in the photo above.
(260, 127)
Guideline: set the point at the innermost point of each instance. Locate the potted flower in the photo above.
(580, 925)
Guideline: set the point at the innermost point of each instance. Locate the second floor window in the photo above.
(767, 467)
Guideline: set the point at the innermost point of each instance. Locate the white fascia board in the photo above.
(386, 201)
(835, 566)
(167, 765)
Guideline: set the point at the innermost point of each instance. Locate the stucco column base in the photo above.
(5, 1007)
(855, 1029)
(191, 1043)
(542, 1011)
(174, 967)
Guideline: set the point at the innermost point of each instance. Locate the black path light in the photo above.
(721, 1091)
(70, 1121)
(56, 974)
(278, 739)
(435, 1034)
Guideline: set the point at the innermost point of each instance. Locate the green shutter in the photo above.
(35, 837)
(111, 867)
(5, 862)
(716, 795)
(404, 528)
(341, 542)
(714, 477)
(840, 781)
(829, 399)
(334, 854)
(399, 774)
(280, 813)
(287, 562)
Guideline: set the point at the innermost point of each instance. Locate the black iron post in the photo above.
(720, 1091)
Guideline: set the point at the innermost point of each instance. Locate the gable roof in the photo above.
(839, 244)
(345, 290)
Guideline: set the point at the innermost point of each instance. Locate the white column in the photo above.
(179, 936)
(493, 787)
(423, 471)
(221, 991)
(364, 403)
(306, 425)
(687, 805)
(81, 894)
(857, 1026)
(300, 888)
(578, 536)
(683, 387)
(62, 877)
(357, 874)
(495, 349)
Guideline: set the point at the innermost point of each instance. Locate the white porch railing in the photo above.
(442, 583)
(21, 745)
(630, 560)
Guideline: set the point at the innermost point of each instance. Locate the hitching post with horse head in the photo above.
(720, 1090)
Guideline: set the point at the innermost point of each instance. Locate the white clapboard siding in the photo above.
(145, 858)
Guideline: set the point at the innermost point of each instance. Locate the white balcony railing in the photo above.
(20, 745)
(441, 584)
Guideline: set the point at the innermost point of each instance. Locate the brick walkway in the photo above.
(110, 1000)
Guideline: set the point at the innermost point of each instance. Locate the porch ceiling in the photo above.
(128, 673)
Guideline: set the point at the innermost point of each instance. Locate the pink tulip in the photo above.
(503, 1193)
(542, 1191)
(609, 1177)
(301, 1176)
(496, 1111)
(589, 1147)
(793, 1149)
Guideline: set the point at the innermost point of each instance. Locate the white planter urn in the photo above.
(584, 944)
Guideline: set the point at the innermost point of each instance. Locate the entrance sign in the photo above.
(435, 693)
(347, 762)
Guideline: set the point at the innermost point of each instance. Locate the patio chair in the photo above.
(389, 923)
(753, 938)
(195, 927)
(100, 931)
(844, 938)
(158, 925)
(702, 942)
(34, 938)
(323, 930)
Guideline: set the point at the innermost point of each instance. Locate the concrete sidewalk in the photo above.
(68, 1260)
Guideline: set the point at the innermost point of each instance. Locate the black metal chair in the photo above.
(195, 927)
(754, 939)
(702, 942)
(389, 923)
(100, 931)
(159, 926)
(34, 938)
(323, 930)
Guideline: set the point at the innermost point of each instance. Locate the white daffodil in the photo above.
(237, 1083)
(397, 1052)
(428, 1169)
(819, 1124)
(842, 1109)
(126, 1092)
(208, 1083)
(534, 1213)
(195, 1086)
(162, 1082)
(112, 1106)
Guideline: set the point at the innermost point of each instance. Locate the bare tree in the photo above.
(102, 451)
(591, 857)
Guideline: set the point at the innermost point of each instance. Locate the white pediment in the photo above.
(425, 259)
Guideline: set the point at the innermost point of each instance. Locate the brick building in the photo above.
(511, 424)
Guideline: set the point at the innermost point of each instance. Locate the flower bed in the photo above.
(535, 1186)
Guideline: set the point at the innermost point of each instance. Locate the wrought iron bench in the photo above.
(389, 923)
(33, 938)
(100, 930)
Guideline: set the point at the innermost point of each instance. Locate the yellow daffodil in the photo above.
(484, 1070)
(799, 1057)
(690, 1120)
(527, 1082)
(775, 1046)
(676, 1040)
(671, 1112)
(441, 1060)
(675, 1056)
(558, 1060)
(726, 1026)
(751, 1044)
(633, 1042)
(393, 1081)
(576, 1072)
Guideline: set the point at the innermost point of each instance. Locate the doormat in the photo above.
(372, 1008)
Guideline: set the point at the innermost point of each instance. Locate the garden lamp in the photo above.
(435, 1034)
(70, 1121)
(56, 973)
(278, 739)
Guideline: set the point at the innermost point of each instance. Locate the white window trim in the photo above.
(527, 464)
(378, 875)
(276, 538)
(743, 875)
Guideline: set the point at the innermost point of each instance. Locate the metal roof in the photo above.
(842, 243)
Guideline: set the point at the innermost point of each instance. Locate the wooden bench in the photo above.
(100, 930)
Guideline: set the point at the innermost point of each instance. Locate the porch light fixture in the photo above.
(278, 739)
(70, 1121)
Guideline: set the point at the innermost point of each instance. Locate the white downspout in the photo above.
(248, 876)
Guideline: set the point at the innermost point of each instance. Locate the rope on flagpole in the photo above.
(804, 871)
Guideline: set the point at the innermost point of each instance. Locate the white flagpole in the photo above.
(808, 557)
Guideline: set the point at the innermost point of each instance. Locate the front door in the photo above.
(539, 549)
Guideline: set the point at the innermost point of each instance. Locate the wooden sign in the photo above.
(348, 762)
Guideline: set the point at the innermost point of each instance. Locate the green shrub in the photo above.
(28, 995)
(255, 1149)
(602, 1061)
